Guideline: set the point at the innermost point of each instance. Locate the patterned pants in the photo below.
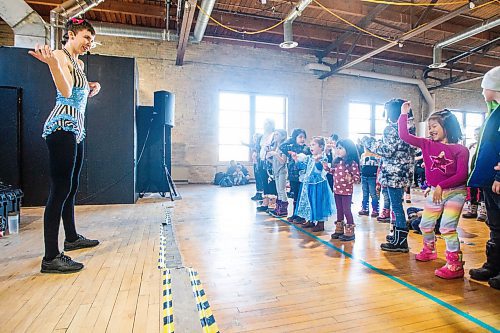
(450, 209)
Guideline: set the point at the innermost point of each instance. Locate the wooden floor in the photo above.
(119, 289)
(260, 274)
(263, 275)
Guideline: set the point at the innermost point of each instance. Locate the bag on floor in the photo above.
(218, 177)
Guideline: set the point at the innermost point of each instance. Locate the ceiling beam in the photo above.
(413, 33)
(187, 22)
(114, 6)
(365, 21)
(352, 10)
(426, 12)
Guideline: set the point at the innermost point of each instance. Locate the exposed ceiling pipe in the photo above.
(437, 53)
(202, 20)
(288, 42)
(379, 76)
(65, 11)
(409, 35)
(296, 11)
(29, 28)
(129, 31)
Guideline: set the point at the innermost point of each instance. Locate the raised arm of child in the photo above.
(403, 131)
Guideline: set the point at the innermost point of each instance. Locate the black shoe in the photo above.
(257, 197)
(262, 208)
(80, 243)
(494, 282)
(61, 264)
(399, 242)
(490, 268)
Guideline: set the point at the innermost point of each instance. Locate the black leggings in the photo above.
(65, 159)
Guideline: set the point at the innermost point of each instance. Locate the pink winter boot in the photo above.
(454, 267)
(428, 252)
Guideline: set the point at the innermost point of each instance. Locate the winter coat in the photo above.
(397, 157)
(293, 169)
(488, 153)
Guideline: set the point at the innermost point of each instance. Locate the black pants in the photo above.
(258, 179)
(295, 188)
(492, 201)
(473, 195)
(65, 159)
(329, 177)
(419, 176)
(269, 187)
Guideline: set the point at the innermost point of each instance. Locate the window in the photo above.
(469, 121)
(366, 119)
(240, 116)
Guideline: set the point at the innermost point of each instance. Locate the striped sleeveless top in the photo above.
(69, 113)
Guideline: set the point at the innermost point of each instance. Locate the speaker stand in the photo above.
(172, 189)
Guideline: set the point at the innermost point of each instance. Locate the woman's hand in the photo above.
(45, 55)
(95, 87)
(293, 155)
(426, 192)
(437, 197)
(405, 108)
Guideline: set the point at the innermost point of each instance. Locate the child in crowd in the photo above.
(297, 145)
(419, 171)
(265, 168)
(255, 149)
(385, 213)
(280, 173)
(446, 173)
(315, 200)
(476, 208)
(369, 169)
(345, 170)
(486, 175)
(397, 160)
(331, 143)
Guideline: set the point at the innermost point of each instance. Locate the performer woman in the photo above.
(64, 133)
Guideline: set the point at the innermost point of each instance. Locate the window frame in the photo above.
(373, 119)
(463, 123)
(252, 121)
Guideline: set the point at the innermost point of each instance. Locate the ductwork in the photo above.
(438, 48)
(202, 20)
(379, 76)
(288, 41)
(122, 30)
(29, 27)
(65, 11)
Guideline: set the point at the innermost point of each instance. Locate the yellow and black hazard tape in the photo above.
(168, 310)
(161, 254)
(206, 317)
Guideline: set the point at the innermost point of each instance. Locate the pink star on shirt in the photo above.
(440, 162)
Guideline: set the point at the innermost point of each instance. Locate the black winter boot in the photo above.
(491, 268)
(399, 242)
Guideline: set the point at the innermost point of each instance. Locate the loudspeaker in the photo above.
(164, 105)
(153, 150)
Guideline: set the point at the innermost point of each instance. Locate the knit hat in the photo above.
(491, 79)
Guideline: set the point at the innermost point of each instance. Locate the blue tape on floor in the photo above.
(398, 280)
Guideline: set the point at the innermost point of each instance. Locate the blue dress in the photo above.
(315, 200)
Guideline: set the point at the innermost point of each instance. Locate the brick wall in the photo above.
(320, 107)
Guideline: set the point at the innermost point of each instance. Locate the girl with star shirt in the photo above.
(446, 171)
